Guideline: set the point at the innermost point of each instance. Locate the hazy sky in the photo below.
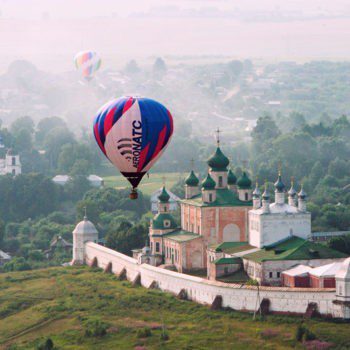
(90, 8)
(50, 32)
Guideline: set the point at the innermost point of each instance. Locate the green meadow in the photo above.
(148, 184)
(80, 308)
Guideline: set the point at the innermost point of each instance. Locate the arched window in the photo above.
(246, 196)
(210, 197)
(220, 181)
(157, 247)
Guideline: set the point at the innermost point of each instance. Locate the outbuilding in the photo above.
(297, 276)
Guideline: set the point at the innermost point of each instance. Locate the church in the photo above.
(227, 226)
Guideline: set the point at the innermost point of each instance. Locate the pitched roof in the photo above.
(294, 248)
(225, 261)
(328, 270)
(232, 247)
(224, 198)
(4, 255)
(298, 270)
(181, 236)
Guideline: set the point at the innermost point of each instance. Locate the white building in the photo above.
(173, 201)
(11, 164)
(61, 179)
(4, 258)
(272, 223)
(95, 180)
(84, 232)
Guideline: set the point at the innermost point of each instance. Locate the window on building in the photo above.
(270, 274)
(278, 274)
(157, 247)
(210, 197)
(246, 196)
(226, 270)
(220, 181)
(13, 160)
(165, 208)
(13, 172)
(166, 223)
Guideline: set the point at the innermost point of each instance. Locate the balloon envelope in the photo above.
(88, 62)
(133, 133)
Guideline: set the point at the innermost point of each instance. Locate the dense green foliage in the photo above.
(65, 304)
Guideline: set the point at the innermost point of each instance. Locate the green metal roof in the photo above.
(279, 185)
(244, 182)
(208, 183)
(181, 236)
(231, 178)
(192, 179)
(164, 196)
(295, 248)
(218, 161)
(224, 261)
(224, 198)
(233, 247)
(158, 221)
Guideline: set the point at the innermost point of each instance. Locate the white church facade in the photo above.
(11, 164)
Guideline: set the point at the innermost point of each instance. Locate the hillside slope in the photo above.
(58, 302)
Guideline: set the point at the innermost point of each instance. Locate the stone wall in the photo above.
(203, 291)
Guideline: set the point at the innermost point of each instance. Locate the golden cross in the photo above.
(163, 178)
(279, 168)
(292, 180)
(192, 163)
(218, 131)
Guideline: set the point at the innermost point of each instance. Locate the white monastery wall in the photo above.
(203, 291)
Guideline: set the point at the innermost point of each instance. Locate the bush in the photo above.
(144, 332)
(308, 335)
(95, 328)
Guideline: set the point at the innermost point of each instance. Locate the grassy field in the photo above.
(148, 184)
(59, 302)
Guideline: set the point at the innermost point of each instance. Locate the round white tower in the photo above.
(302, 200)
(84, 232)
(256, 197)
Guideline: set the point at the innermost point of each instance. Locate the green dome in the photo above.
(231, 178)
(279, 185)
(244, 182)
(218, 161)
(208, 183)
(164, 196)
(192, 179)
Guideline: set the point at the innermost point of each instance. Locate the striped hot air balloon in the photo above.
(133, 132)
(87, 62)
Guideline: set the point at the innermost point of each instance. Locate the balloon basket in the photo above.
(133, 194)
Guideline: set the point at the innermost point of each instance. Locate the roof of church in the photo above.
(164, 196)
(294, 248)
(158, 221)
(208, 183)
(276, 208)
(244, 181)
(231, 178)
(192, 179)
(218, 161)
(181, 236)
(224, 198)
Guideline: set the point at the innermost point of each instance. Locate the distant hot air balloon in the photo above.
(133, 132)
(88, 62)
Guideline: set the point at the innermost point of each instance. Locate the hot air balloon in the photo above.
(133, 132)
(88, 62)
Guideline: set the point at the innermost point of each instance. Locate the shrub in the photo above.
(144, 332)
(299, 333)
(308, 335)
(46, 345)
(95, 327)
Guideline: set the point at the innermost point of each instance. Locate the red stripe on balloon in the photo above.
(160, 142)
(108, 123)
(171, 123)
(128, 104)
(97, 137)
(143, 156)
